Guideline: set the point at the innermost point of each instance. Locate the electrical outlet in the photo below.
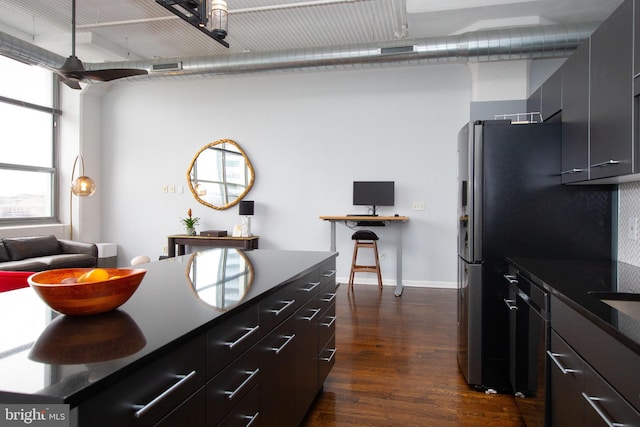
(632, 228)
(417, 206)
(165, 249)
(381, 256)
(165, 188)
(172, 189)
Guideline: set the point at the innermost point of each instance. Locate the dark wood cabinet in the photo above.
(551, 97)
(534, 102)
(575, 115)
(611, 95)
(594, 378)
(261, 366)
(151, 393)
(278, 359)
(566, 384)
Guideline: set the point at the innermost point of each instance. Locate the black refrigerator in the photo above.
(511, 203)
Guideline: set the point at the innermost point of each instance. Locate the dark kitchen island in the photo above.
(212, 338)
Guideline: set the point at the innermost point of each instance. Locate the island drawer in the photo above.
(231, 338)
(327, 295)
(247, 413)
(327, 360)
(148, 395)
(278, 307)
(230, 386)
(326, 325)
(190, 413)
(589, 341)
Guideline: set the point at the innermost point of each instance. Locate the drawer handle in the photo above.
(554, 358)
(313, 286)
(279, 349)
(329, 273)
(511, 279)
(330, 358)
(232, 394)
(511, 304)
(574, 170)
(593, 402)
(239, 340)
(251, 418)
(330, 324)
(607, 163)
(315, 313)
(287, 304)
(331, 298)
(143, 409)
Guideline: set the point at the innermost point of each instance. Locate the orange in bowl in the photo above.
(91, 291)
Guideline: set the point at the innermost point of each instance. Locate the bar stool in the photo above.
(364, 239)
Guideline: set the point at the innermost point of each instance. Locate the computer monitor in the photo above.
(373, 193)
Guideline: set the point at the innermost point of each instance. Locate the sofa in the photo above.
(45, 253)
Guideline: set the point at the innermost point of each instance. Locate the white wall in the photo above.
(308, 135)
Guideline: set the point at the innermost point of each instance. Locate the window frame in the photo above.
(53, 169)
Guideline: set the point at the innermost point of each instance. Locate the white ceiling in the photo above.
(114, 30)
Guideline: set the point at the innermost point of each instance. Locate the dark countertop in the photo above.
(571, 281)
(46, 357)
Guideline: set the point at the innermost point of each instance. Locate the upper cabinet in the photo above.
(547, 99)
(551, 99)
(611, 95)
(575, 116)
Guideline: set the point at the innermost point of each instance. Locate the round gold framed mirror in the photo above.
(220, 174)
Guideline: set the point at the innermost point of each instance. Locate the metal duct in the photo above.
(486, 45)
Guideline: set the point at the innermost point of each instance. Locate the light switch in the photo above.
(417, 206)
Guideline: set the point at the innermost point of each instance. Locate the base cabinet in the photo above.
(261, 366)
(586, 387)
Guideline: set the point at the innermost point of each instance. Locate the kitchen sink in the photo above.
(625, 302)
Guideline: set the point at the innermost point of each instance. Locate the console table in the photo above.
(364, 219)
(181, 240)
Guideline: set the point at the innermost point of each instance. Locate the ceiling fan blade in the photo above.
(73, 71)
(73, 84)
(111, 74)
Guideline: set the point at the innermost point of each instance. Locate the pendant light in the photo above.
(83, 186)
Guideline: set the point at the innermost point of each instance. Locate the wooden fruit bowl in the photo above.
(89, 297)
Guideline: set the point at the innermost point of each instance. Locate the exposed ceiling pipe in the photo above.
(486, 45)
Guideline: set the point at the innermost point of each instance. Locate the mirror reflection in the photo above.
(220, 174)
(221, 277)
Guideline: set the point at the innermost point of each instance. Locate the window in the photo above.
(28, 114)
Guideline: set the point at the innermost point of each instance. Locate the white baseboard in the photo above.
(405, 283)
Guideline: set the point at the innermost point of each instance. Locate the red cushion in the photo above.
(10, 280)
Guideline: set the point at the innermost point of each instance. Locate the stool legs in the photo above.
(364, 268)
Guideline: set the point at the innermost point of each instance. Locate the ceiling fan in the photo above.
(73, 72)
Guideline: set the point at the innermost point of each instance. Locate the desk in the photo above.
(218, 242)
(387, 220)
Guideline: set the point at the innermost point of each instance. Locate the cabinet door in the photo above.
(278, 358)
(603, 405)
(551, 100)
(227, 389)
(575, 115)
(611, 100)
(150, 394)
(636, 38)
(306, 367)
(566, 384)
(190, 414)
(534, 102)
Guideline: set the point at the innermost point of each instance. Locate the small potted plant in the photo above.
(190, 223)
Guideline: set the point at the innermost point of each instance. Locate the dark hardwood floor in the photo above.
(396, 365)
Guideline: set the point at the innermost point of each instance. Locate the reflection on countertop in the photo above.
(579, 282)
(70, 340)
(220, 279)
